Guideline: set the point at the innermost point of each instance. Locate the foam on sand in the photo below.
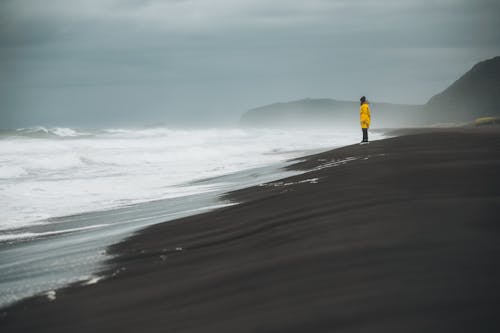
(30, 235)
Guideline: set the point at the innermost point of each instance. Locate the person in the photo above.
(364, 117)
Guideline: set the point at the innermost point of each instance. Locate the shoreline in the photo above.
(45, 264)
(395, 235)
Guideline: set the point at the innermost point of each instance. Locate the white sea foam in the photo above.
(60, 131)
(7, 171)
(29, 235)
(92, 280)
(282, 183)
(63, 171)
(55, 131)
(51, 295)
(335, 163)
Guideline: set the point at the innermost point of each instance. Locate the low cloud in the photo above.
(183, 58)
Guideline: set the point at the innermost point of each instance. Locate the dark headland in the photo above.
(474, 95)
(400, 235)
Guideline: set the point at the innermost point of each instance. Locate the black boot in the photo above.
(365, 135)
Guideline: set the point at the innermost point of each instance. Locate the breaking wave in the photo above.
(50, 172)
(44, 132)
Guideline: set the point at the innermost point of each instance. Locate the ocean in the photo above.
(67, 194)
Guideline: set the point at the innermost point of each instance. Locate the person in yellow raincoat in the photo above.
(364, 117)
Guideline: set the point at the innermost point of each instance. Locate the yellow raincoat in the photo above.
(364, 115)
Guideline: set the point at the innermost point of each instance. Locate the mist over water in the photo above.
(50, 172)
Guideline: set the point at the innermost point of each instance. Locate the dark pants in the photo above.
(365, 134)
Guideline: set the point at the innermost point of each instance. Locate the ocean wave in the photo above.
(8, 237)
(64, 172)
(9, 172)
(45, 132)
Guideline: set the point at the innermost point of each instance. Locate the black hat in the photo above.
(362, 99)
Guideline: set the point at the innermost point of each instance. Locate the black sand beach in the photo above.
(400, 235)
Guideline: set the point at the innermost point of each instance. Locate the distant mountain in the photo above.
(473, 95)
(327, 112)
(302, 112)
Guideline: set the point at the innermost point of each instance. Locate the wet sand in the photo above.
(399, 235)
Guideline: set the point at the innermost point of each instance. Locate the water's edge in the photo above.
(50, 258)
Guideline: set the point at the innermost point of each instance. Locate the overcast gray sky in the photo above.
(114, 62)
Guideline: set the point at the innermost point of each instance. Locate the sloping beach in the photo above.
(400, 235)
